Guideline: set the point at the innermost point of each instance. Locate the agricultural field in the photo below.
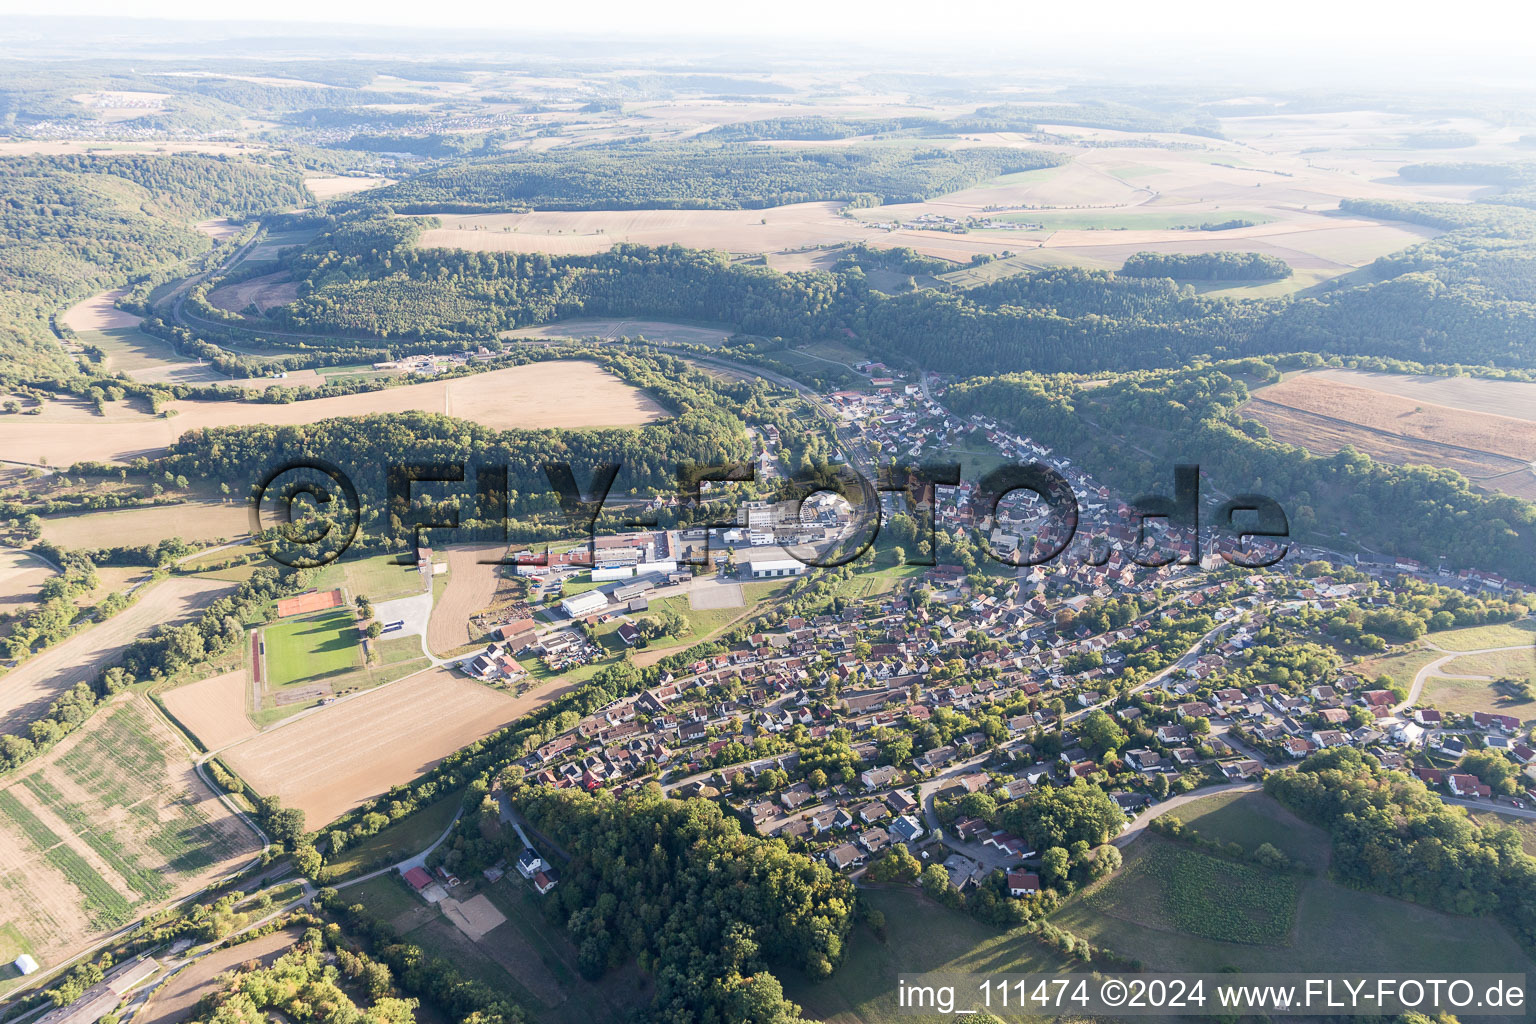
(474, 574)
(1323, 413)
(111, 821)
(1106, 203)
(28, 689)
(143, 357)
(1330, 924)
(1466, 684)
(333, 186)
(194, 522)
(610, 330)
(536, 395)
(213, 709)
(333, 759)
(264, 292)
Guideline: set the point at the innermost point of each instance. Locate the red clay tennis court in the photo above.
(314, 601)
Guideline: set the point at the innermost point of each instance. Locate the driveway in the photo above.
(414, 611)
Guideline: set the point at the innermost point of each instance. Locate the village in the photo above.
(847, 733)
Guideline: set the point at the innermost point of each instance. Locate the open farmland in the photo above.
(21, 576)
(194, 522)
(536, 395)
(333, 759)
(213, 709)
(331, 186)
(1468, 683)
(1099, 208)
(110, 821)
(98, 313)
(147, 359)
(264, 292)
(28, 689)
(1325, 413)
(471, 587)
(609, 330)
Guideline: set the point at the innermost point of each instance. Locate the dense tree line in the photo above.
(1392, 835)
(1465, 298)
(704, 907)
(701, 176)
(1207, 266)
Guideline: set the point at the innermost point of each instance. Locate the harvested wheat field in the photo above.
(193, 521)
(331, 760)
(110, 823)
(332, 185)
(471, 587)
(264, 292)
(610, 330)
(28, 689)
(1323, 413)
(1515, 398)
(1405, 417)
(98, 314)
(177, 1000)
(533, 396)
(218, 228)
(21, 576)
(213, 709)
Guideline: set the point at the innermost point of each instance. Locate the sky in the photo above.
(1469, 26)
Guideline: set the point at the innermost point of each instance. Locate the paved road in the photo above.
(1433, 669)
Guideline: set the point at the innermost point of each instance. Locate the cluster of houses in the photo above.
(884, 665)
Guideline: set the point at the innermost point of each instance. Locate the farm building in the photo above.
(25, 964)
(759, 570)
(608, 575)
(418, 878)
(583, 604)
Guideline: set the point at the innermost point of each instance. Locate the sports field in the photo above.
(311, 647)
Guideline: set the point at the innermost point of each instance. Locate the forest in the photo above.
(74, 225)
(694, 176)
(707, 909)
(1392, 835)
